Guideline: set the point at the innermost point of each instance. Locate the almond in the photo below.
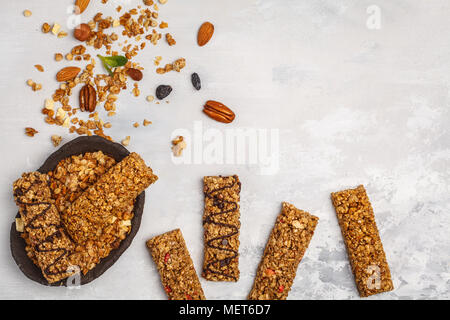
(67, 73)
(205, 33)
(218, 111)
(81, 5)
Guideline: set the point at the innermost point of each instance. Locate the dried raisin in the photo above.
(163, 91)
(196, 81)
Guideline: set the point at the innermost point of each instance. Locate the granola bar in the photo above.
(45, 233)
(287, 244)
(175, 266)
(361, 236)
(221, 228)
(101, 204)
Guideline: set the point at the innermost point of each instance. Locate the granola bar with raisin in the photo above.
(221, 228)
(362, 239)
(287, 244)
(175, 266)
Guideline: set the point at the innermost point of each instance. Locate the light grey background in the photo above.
(352, 105)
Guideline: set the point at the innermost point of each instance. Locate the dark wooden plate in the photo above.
(78, 146)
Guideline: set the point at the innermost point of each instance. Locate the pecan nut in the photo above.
(88, 98)
(218, 111)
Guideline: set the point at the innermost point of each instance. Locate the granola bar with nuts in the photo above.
(93, 213)
(287, 244)
(175, 266)
(221, 228)
(362, 239)
(42, 223)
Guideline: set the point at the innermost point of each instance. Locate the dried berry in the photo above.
(196, 81)
(135, 74)
(163, 91)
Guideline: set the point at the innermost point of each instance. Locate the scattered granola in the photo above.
(56, 140)
(30, 131)
(177, 66)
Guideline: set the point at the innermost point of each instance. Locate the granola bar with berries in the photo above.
(287, 244)
(175, 266)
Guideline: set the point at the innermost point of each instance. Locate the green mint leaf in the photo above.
(112, 62)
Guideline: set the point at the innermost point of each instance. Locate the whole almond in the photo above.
(135, 74)
(205, 33)
(218, 111)
(82, 5)
(67, 73)
(88, 98)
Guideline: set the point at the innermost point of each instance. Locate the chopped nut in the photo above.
(30, 82)
(135, 124)
(56, 140)
(39, 67)
(69, 57)
(27, 13)
(46, 28)
(178, 146)
(58, 56)
(62, 34)
(30, 131)
(116, 23)
(162, 1)
(126, 141)
(150, 98)
(146, 122)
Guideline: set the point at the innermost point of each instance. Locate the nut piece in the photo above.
(205, 33)
(178, 145)
(218, 111)
(126, 141)
(30, 131)
(27, 13)
(81, 5)
(46, 28)
(135, 74)
(39, 67)
(150, 98)
(146, 122)
(82, 32)
(88, 98)
(56, 140)
(58, 57)
(67, 73)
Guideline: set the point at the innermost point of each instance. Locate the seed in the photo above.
(196, 81)
(163, 91)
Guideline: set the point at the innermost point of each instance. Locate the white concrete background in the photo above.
(353, 106)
